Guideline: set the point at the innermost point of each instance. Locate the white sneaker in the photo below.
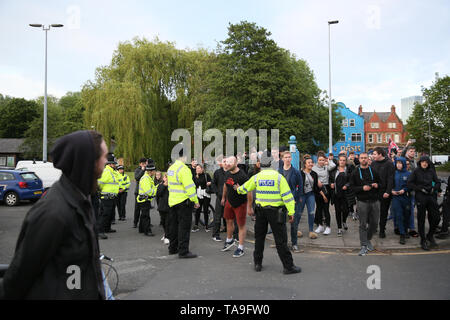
(166, 241)
(327, 231)
(320, 229)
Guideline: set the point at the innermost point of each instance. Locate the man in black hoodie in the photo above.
(57, 253)
(386, 170)
(425, 183)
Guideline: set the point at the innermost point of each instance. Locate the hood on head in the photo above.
(403, 161)
(74, 154)
(424, 158)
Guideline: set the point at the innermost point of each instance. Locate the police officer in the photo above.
(147, 191)
(109, 189)
(182, 194)
(122, 199)
(273, 199)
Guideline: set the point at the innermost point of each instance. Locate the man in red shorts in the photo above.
(235, 205)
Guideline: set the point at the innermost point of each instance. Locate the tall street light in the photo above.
(330, 128)
(44, 139)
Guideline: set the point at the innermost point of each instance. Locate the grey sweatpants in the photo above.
(369, 214)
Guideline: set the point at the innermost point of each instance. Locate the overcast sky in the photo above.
(381, 51)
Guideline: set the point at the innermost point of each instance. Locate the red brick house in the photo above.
(380, 126)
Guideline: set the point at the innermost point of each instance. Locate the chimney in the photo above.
(392, 109)
(360, 110)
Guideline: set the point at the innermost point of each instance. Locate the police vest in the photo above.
(181, 186)
(147, 189)
(272, 189)
(125, 183)
(108, 182)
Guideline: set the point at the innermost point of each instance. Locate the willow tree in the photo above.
(142, 96)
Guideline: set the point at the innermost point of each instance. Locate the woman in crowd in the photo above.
(202, 181)
(162, 200)
(340, 185)
(310, 189)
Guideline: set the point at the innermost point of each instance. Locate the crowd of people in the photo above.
(371, 188)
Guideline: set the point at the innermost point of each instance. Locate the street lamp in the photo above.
(44, 139)
(330, 128)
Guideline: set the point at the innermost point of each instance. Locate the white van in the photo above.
(440, 159)
(44, 170)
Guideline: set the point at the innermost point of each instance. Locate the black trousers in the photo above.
(384, 211)
(95, 201)
(165, 222)
(137, 211)
(218, 215)
(426, 203)
(323, 209)
(342, 209)
(445, 215)
(106, 214)
(121, 204)
(180, 221)
(204, 206)
(144, 222)
(264, 217)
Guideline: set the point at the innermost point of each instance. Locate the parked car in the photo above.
(44, 170)
(17, 185)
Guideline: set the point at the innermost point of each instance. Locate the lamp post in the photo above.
(330, 126)
(44, 139)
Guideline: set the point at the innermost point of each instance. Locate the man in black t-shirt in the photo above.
(235, 205)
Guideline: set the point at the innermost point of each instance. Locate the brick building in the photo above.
(380, 126)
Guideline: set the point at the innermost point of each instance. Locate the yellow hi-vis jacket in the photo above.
(146, 188)
(181, 185)
(125, 182)
(109, 182)
(272, 189)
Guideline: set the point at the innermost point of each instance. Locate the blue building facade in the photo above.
(352, 135)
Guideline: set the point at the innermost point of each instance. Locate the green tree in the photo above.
(32, 146)
(259, 85)
(142, 96)
(16, 117)
(435, 110)
(73, 110)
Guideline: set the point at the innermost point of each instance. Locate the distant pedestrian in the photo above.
(218, 182)
(425, 183)
(340, 185)
(409, 153)
(310, 191)
(162, 200)
(236, 206)
(138, 173)
(147, 191)
(385, 169)
(122, 198)
(401, 201)
(322, 218)
(365, 183)
(202, 182)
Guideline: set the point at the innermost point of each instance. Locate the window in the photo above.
(29, 176)
(397, 138)
(345, 123)
(6, 176)
(2, 161)
(379, 138)
(356, 137)
(370, 138)
(388, 136)
(10, 162)
(375, 125)
(392, 125)
(342, 137)
(352, 122)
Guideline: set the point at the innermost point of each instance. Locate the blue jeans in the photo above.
(401, 210)
(309, 201)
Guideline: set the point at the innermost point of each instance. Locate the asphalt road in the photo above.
(147, 272)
